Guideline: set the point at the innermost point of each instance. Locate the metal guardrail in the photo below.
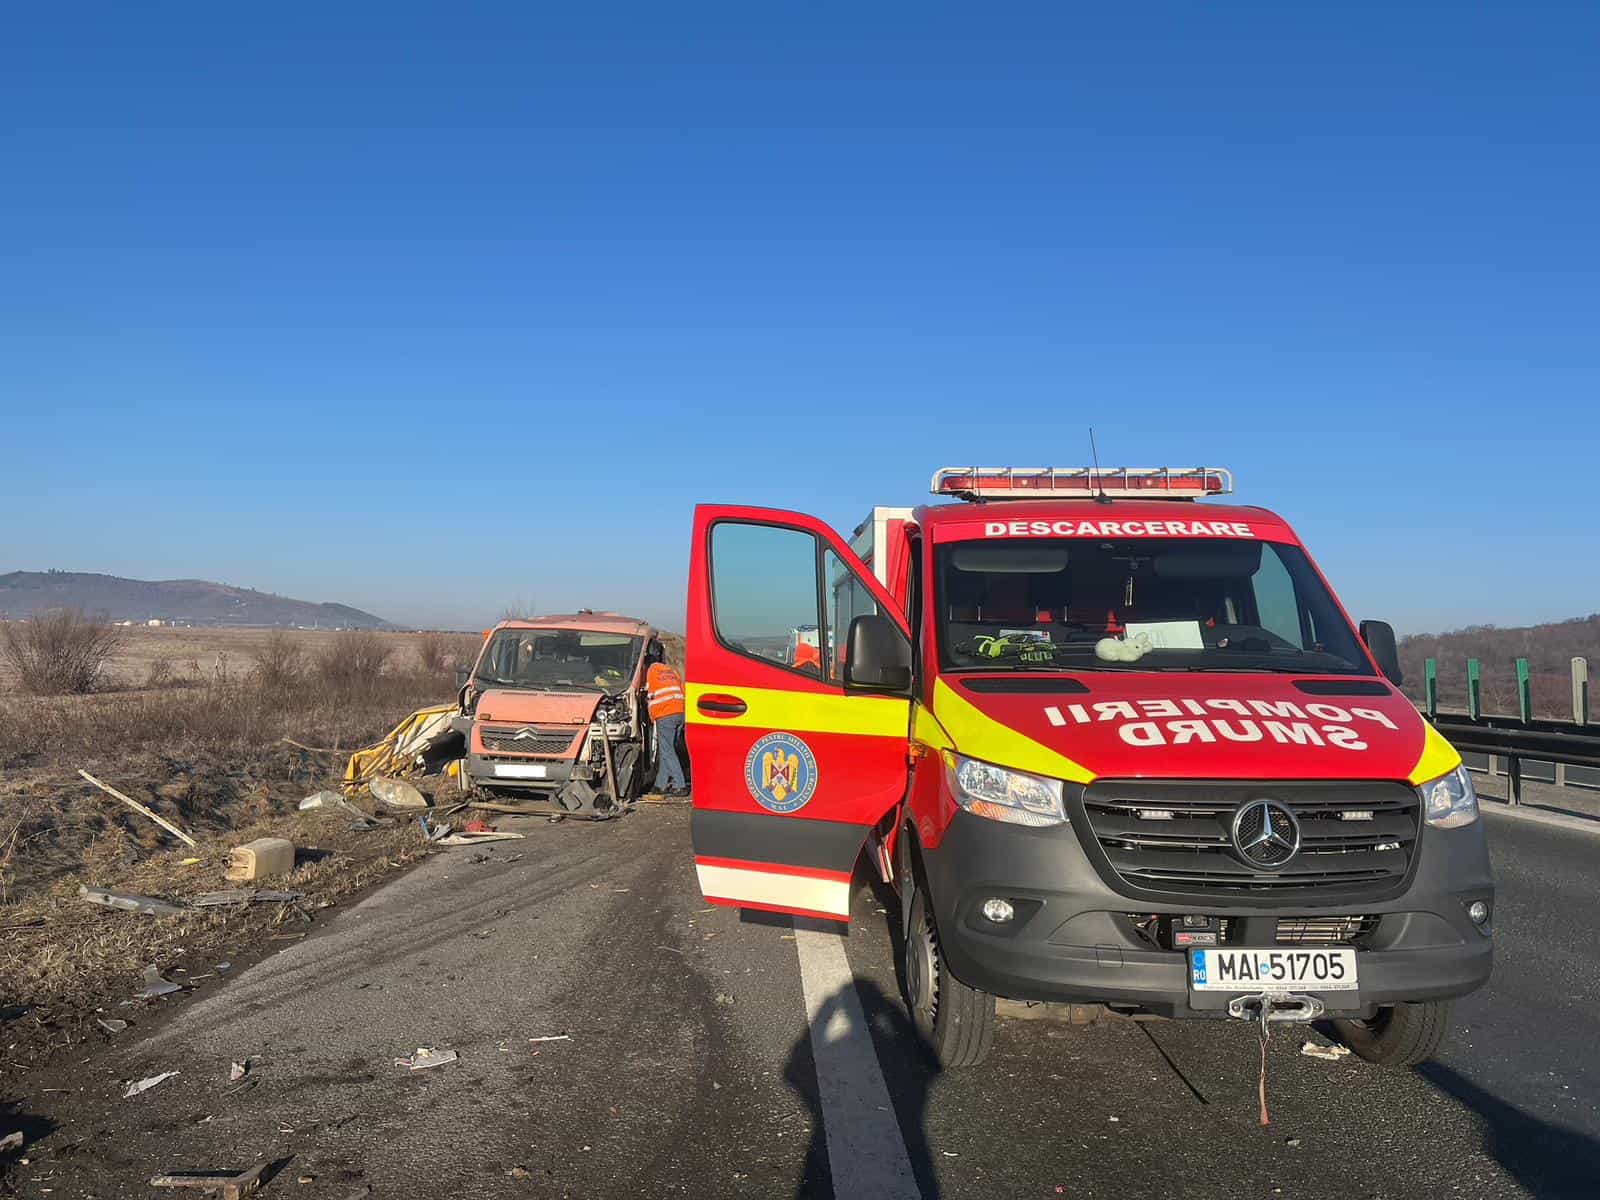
(1564, 743)
(1520, 739)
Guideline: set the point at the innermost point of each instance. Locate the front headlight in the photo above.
(989, 791)
(1449, 801)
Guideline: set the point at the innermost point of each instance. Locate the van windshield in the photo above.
(1139, 604)
(554, 659)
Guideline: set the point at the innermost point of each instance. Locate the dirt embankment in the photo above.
(207, 753)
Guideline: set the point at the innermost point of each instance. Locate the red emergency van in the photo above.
(1112, 741)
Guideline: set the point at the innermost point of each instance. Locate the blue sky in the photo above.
(432, 309)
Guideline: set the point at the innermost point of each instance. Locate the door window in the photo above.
(848, 598)
(765, 601)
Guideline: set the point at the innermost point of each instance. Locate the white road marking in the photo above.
(866, 1152)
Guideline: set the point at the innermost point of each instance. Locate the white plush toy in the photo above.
(1118, 650)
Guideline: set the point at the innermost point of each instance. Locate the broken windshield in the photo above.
(556, 659)
(1145, 604)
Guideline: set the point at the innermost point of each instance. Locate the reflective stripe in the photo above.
(813, 712)
(774, 889)
(1438, 756)
(983, 737)
(670, 693)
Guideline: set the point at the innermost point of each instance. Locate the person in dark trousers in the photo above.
(664, 691)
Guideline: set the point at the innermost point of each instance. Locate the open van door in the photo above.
(791, 769)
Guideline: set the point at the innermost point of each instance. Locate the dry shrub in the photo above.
(280, 664)
(160, 674)
(62, 652)
(353, 661)
(433, 652)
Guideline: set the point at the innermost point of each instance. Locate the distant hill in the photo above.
(190, 601)
(1549, 650)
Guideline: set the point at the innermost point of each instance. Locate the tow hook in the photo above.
(1275, 1006)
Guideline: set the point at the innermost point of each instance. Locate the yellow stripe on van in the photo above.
(980, 736)
(1438, 756)
(925, 728)
(812, 712)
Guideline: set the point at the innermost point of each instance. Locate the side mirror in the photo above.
(462, 675)
(1379, 637)
(877, 656)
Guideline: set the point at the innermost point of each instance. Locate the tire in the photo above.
(956, 1022)
(1401, 1035)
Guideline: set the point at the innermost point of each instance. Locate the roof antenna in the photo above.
(1100, 496)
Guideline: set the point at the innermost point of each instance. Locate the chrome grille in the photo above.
(1172, 837)
(528, 739)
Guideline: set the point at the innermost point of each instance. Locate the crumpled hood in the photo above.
(1125, 725)
(538, 708)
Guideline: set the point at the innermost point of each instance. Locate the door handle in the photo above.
(720, 704)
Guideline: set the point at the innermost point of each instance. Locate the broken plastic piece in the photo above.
(155, 985)
(132, 902)
(11, 1141)
(467, 838)
(1330, 1053)
(244, 896)
(144, 1085)
(232, 1186)
(333, 801)
(396, 793)
(425, 1057)
(112, 1026)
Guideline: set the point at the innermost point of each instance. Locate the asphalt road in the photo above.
(713, 1056)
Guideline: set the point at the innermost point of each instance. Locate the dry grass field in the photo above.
(190, 723)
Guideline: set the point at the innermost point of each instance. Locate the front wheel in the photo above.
(1401, 1035)
(956, 1021)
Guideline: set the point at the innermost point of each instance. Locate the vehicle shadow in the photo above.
(908, 1072)
(908, 1065)
(1546, 1159)
(33, 1127)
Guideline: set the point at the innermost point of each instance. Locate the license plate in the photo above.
(1225, 969)
(520, 770)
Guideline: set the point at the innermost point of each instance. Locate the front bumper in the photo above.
(556, 772)
(1074, 937)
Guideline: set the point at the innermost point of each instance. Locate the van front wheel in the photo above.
(1401, 1035)
(956, 1021)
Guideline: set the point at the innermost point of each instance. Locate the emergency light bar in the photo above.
(1084, 483)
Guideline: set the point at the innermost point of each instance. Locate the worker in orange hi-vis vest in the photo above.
(664, 687)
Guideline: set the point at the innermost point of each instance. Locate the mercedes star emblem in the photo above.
(1265, 834)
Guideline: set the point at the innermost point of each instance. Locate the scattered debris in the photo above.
(139, 808)
(260, 859)
(243, 896)
(232, 1186)
(1330, 1053)
(144, 1085)
(396, 793)
(1292, 1142)
(333, 801)
(553, 1037)
(481, 858)
(147, 906)
(432, 832)
(190, 862)
(728, 999)
(425, 741)
(466, 838)
(238, 1070)
(12, 1141)
(155, 985)
(223, 968)
(425, 1057)
(519, 1173)
(113, 1026)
